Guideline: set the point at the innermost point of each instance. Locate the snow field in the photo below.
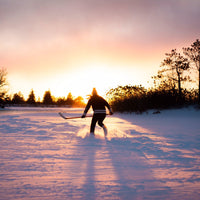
(43, 156)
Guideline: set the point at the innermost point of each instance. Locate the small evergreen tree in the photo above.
(69, 100)
(47, 99)
(18, 98)
(31, 98)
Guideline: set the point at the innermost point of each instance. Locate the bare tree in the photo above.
(193, 53)
(172, 72)
(3, 84)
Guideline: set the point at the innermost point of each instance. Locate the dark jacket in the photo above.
(98, 104)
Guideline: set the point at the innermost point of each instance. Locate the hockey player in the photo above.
(99, 105)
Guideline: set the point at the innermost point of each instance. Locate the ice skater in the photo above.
(99, 105)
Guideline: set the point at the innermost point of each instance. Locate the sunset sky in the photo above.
(75, 45)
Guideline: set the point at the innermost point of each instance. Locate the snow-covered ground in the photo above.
(43, 156)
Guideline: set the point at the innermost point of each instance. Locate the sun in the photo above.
(90, 76)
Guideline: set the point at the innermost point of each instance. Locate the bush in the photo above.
(138, 99)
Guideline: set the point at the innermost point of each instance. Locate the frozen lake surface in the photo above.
(43, 156)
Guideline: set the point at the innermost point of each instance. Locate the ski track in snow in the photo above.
(43, 156)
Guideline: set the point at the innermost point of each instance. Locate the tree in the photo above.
(172, 73)
(61, 101)
(193, 53)
(18, 98)
(3, 84)
(31, 97)
(69, 100)
(79, 101)
(127, 98)
(47, 99)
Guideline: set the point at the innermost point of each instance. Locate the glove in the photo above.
(111, 113)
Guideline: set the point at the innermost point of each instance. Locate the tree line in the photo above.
(177, 70)
(48, 100)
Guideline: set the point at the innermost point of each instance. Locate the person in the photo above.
(99, 105)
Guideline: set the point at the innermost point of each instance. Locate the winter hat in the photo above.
(94, 92)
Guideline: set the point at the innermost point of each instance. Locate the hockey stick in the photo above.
(71, 117)
(74, 117)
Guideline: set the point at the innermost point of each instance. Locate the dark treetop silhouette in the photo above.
(99, 105)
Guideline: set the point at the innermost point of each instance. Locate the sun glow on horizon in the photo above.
(78, 80)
